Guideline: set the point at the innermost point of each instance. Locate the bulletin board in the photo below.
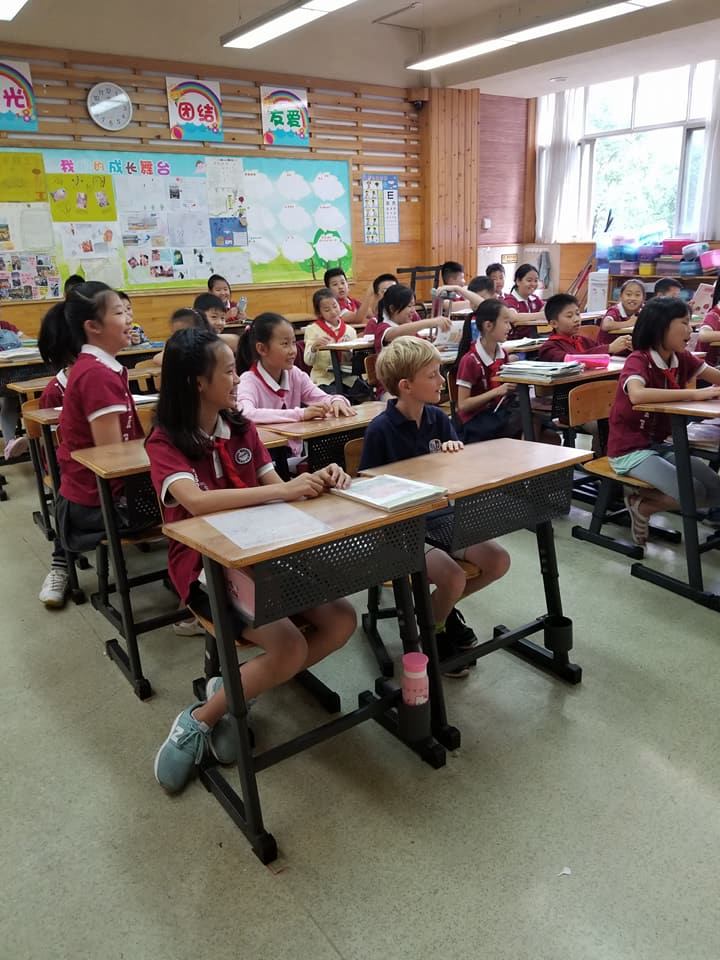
(154, 222)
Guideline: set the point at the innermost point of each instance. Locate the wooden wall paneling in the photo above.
(528, 233)
(502, 167)
(373, 128)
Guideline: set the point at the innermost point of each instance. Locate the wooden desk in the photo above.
(28, 389)
(500, 486)
(524, 384)
(326, 439)
(692, 588)
(143, 351)
(21, 368)
(360, 548)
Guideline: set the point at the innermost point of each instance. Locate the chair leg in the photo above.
(594, 533)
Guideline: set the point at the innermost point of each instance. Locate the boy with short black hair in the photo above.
(562, 312)
(213, 308)
(337, 282)
(413, 425)
(668, 287)
(452, 273)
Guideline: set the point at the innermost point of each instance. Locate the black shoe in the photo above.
(459, 632)
(447, 649)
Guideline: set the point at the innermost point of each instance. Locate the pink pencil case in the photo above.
(589, 359)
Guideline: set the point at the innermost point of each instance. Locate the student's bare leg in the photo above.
(286, 652)
(492, 562)
(449, 580)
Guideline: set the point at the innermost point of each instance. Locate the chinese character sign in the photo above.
(194, 109)
(17, 100)
(285, 117)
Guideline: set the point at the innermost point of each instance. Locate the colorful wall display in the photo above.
(17, 98)
(285, 117)
(194, 109)
(142, 222)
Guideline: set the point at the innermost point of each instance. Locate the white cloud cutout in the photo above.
(263, 250)
(294, 218)
(257, 186)
(292, 186)
(327, 186)
(329, 247)
(296, 249)
(260, 219)
(328, 217)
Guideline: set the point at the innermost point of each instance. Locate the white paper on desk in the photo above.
(17, 352)
(141, 398)
(449, 339)
(266, 525)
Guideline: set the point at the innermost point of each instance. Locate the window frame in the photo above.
(588, 143)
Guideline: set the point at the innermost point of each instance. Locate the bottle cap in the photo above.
(414, 665)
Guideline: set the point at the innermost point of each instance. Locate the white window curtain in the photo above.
(710, 209)
(560, 209)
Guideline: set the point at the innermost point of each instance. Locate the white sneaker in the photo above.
(54, 588)
(188, 628)
(15, 448)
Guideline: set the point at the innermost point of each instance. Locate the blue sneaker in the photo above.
(183, 750)
(223, 741)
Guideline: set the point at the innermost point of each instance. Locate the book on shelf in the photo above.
(390, 493)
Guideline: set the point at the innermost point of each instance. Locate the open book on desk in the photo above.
(390, 493)
(449, 340)
(521, 343)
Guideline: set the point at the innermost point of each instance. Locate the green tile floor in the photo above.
(617, 779)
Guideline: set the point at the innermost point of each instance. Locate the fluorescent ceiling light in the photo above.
(534, 33)
(8, 8)
(464, 53)
(282, 20)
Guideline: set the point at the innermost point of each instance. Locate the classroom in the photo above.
(360, 479)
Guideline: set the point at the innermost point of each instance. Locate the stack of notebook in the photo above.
(537, 370)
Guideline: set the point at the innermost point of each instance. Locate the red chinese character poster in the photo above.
(17, 100)
(194, 109)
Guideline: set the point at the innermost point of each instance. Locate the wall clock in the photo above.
(109, 106)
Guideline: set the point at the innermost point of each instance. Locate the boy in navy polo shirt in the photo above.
(411, 426)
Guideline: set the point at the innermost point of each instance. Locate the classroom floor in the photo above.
(617, 780)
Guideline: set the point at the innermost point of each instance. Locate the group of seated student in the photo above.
(215, 387)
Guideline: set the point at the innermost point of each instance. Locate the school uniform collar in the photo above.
(485, 356)
(398, 419)
(61, 378)
(622, 311)
(103, 356)
(386, 319)
(269, 382)
(660, 363)
(221, 430)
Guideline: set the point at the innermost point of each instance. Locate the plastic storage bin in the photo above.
(650, 252)
(710, 260)
(689, 268)
(646, 269)
(673, 246)
(693, 250)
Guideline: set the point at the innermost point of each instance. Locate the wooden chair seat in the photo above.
(47, 480)
(209, 627)
(601, 468)
(151, 535)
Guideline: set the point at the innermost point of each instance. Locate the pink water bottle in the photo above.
(414, 684)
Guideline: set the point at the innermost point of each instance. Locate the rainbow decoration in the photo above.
(280, 100)
(194, 109)
(17, 97)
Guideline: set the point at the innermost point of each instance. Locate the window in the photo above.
(643, 151)
(609, 106)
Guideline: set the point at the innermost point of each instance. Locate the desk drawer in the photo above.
(287, 585)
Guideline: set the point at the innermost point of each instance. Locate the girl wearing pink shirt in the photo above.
(272, 389)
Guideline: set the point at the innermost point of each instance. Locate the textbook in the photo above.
(390, 493)
(522, 342)
(448, 340)
(538, 370)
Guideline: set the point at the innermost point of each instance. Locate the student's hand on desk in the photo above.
(321, 341)
(621, 343)
(707, 393)
(504, 389)
(341, 409)
(334, 476)
(315, 411)
(304, 485)
(452, 446)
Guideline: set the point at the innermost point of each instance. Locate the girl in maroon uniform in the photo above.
(206, 457)
(658, 371)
